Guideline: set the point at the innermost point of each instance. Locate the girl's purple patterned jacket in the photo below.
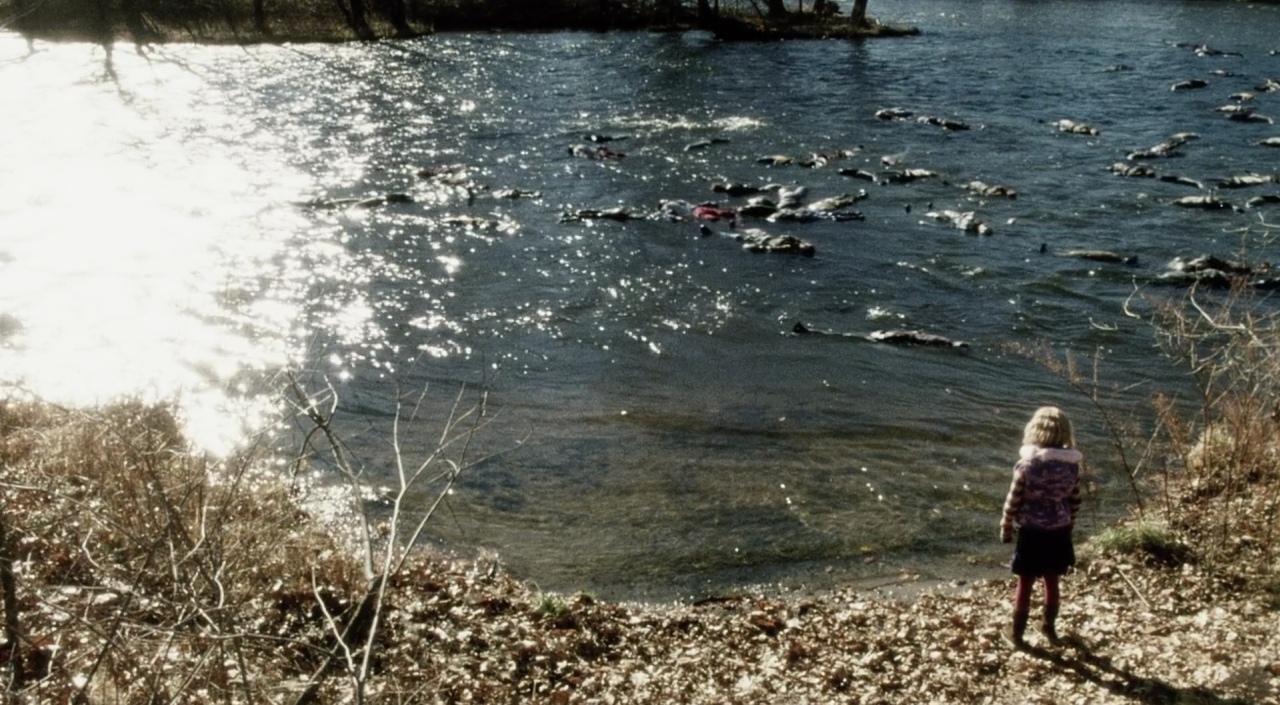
(1045, 493)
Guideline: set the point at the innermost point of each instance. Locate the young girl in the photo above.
(1042, 504)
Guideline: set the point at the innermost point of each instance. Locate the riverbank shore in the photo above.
(143, 570)
(260, 21)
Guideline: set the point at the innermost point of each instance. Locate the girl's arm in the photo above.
(1012, 503)
(1074, 500)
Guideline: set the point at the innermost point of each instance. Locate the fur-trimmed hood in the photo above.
(1061, 455)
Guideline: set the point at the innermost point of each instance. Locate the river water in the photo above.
(673, 438)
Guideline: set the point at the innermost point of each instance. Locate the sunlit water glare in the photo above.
(183, 229)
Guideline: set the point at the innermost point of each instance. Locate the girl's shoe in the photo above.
(1014, 634)
(1048, 628)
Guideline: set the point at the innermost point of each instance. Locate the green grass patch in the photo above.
(1148, 539)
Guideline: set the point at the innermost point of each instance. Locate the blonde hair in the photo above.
(1049, 427)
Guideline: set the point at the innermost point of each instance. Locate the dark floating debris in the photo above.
(1269, 199)
(914, 337)
(888, 337)
(1190, 84)
(1102, 256)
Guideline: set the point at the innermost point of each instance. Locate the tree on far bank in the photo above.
(859, 13)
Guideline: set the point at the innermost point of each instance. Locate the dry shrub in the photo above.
(1226, 440)
(146, 571)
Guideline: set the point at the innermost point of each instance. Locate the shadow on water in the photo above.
(1083, 662)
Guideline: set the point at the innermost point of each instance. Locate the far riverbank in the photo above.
(269, 21)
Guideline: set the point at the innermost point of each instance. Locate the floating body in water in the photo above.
(367, 202)
(982, 188)
(809, 215)
(906, 176)
(791, 196)
(704, 144)
(817, 160)
(1209, 203)
(713, 212)
(737, 189)
(859, 174)
(894, 114)
(759, 241)
(617, 213)
(595, 153)
(1246, 180)
(1141, 171)
(758, 207)
(1076, 128)
(944, 123)
(962, 220)
(1249, 116)
(515, 193)
(1181, 180)
(1165, 149)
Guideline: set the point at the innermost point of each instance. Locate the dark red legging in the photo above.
(1022, 594)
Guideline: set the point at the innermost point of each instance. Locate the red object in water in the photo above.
(712, 212)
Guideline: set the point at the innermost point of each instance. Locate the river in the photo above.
(673, 438)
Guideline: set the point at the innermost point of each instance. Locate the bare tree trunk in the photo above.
(396, 13)
(704, 11)
(12, 630)
(669, 10)
(260, 16)
(859, 14)
(358, 19)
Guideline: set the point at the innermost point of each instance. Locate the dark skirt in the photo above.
(1043, 552)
